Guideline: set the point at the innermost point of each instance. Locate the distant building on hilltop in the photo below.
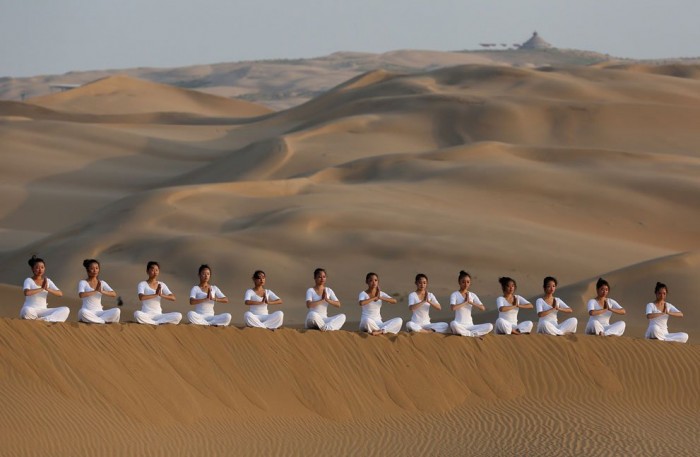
(535, 42)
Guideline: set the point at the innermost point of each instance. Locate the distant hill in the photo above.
(283, 83)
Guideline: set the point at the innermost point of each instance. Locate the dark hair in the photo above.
(659, 286)
(419, 276)
(34, 260)
(257, 273)
(549, 279)
(318, 271)
(88, 262)
(203, 267)
(601, 282)
(369, 275)
(463, 274)
(152, 263)
(505, 280)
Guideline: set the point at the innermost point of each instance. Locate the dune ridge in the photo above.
(186, 386)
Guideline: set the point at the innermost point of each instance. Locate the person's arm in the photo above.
(454, 306)
(310, 302)
(563, 307)
(615, 307)
(193, 297)
(432, 301)
(104, 289)
(541, 312)
(475, 302)
(673, 311)
(331, 299)
(526, 304)
(503, 305)
(361, 301)
(653, 312)
(164, 292)
(272, 298)
(51, 288)
(413, 301)
(217, 295)
(387, 298)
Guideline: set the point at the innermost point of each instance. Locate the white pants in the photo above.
(551, 328)
(325, 324)
(680, 337)
(503, 327)
(208, 319)
(596, 328)
(270, 321)
(470, 330)
(157, 319)
(390, 326)
(99, 317)
(59, 314)
(439, 327)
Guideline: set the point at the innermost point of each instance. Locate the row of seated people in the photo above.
(205, 296)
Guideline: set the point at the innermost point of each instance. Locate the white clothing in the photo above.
(258, 315)
(463, 323)
(549, 325)
(601, 323)
(35, 306)
(92, 311)
(317, 317)
(203, 313)
(658, 327)
(371, 318)
(420, 319)
(508, 320)
(151, 312)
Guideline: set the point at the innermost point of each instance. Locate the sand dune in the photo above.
(183, 390)
(566, 171)
(125, 95)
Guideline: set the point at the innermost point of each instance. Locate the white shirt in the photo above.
(542, 305)
(38, 300)
(603, 318)
(464, 314)
(259, 310)
(421, 315)
(206, 307)
(661, 322)
(92, 302)
(321, 308)
(152, 305)
(512, 315)
(372, 309)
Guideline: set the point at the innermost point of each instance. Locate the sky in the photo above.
(39, 37)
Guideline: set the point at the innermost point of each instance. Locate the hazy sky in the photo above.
(57, 36)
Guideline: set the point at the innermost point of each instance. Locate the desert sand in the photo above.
(576, 172)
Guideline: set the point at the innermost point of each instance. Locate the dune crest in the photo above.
(163, 380)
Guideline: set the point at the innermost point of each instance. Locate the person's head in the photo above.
(602, 288)
(549, 284)
(320, 276)
(372, 280)
(37, 265)
(661, 291)
(464, 279)
(508, 285)
(259, 277)
(204, 273)
(421, 281)
(153, 269)
(92, 267)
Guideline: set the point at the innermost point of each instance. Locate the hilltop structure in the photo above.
(535, 42)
